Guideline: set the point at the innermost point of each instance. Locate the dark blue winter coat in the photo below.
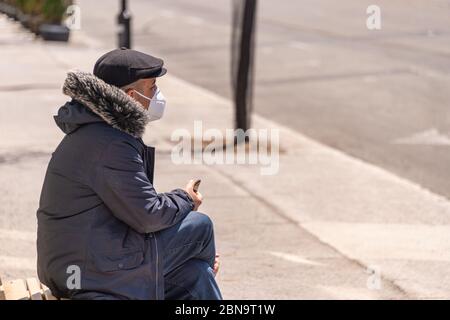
(98, 208)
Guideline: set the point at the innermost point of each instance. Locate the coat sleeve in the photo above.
(122, 183)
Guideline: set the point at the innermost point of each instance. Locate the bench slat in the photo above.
(2, 292)
(47, 293)
(34, 287)
(16, 290)
(29, 289)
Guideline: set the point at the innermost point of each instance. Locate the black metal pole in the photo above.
(124, 21)
(243, 91)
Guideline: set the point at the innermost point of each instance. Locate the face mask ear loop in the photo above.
(146, 98)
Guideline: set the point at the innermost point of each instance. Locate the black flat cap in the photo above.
(123, 66)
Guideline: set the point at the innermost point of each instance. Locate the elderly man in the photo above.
(103, 230)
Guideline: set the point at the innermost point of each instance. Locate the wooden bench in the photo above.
(29, 289)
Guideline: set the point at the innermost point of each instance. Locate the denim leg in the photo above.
(188, 254)
(194, 280)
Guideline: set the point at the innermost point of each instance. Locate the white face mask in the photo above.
(156, 105)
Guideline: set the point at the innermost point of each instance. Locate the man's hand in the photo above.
(196, 196)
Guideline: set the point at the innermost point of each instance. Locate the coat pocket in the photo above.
(125, 260)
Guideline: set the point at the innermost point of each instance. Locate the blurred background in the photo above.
(379, 95)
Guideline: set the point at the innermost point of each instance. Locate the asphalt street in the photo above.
(378, 95)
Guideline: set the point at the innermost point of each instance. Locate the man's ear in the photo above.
(130, 92)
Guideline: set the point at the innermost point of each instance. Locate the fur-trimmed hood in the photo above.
(94, 100)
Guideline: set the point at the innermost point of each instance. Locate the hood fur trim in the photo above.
(109, 102)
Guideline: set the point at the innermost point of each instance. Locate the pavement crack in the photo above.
(29, 86)
(10, 158)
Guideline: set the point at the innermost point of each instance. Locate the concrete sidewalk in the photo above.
(310, 232)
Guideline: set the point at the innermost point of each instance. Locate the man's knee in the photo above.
(201, 221)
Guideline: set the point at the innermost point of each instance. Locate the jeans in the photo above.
(188, 254)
